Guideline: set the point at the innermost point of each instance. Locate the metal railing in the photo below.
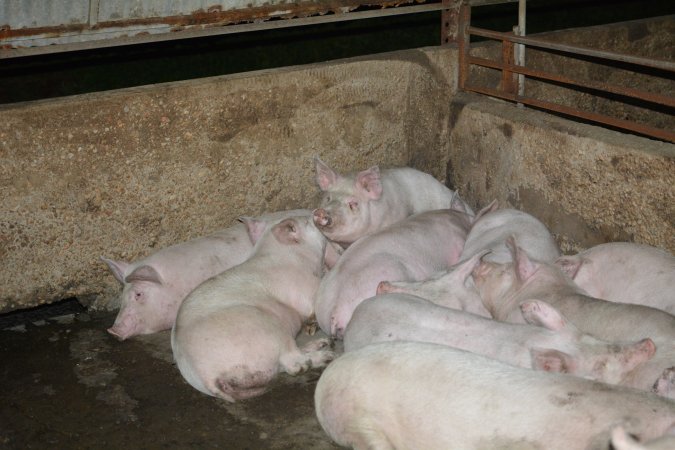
(509, 85)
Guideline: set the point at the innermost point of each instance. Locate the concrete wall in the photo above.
(122, 174)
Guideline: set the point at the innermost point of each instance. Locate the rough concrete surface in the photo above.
(589, 185)
(67, 383)
(124, 173)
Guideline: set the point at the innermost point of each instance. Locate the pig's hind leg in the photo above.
(316, 353)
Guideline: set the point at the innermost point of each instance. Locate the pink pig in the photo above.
(625, 272)
(413, 395)
(237, 330)
(355, 205)
(487, 238)
(411, 249)
(155, 286)
(503, 287)
(550, 343)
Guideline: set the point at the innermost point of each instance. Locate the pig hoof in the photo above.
(665, 384)
(316, 344)
(310, 328)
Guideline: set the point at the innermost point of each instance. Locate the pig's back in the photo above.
(415, 395)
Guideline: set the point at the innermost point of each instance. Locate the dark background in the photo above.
(36, 77)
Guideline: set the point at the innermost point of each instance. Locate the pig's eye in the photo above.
(138, 296)
(353, 205)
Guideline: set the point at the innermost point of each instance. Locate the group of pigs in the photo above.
(443, 315)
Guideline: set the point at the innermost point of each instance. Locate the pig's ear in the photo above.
(463, 270)
(118, 268)
(287, 232)
(254, 227)
(525, 267)
(369, 182)
(536, 312)
(624, 441)
(569, 264)
(550, 360)
(325, 176)
(494, 204)
(144, 273)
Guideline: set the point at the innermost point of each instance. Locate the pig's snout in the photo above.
(322, 218)
(123, 328)
(118, 333)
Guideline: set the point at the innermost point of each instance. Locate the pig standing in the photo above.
(504, 286)
(154, 287)
(354, 205)
(550, 343)
(235, 331)
(625, 272)
(411, 249)
(488, 235)
(410, 395)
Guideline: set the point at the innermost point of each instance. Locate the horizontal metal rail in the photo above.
(508, 69)
(573, 49)
(221, 29)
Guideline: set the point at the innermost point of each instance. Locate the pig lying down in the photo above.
(154, 287)
(410, 395)
(503, 287)
(625, 272)
(356, 204)
(411, 249)
(487, 238)
(235, 331)
(550, 343)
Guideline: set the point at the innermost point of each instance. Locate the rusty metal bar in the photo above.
(507, 82)
(624, 91)
(463, 44)
(576, 50)
(659, 133)
(220, 29)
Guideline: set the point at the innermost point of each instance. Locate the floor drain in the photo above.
(43, 312)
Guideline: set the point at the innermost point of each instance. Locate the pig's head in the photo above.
(451, 289)
(301, 234)
(146, 306)
(344, 213)
(588, 356)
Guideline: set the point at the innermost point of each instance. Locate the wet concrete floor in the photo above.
(68, 384)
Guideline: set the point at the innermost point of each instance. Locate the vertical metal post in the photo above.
(508, 80)
(463, 43)
(449, 21)
(520, 48)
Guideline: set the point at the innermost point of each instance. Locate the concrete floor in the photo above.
(66, 383)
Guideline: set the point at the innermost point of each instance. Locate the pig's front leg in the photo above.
(315, 354)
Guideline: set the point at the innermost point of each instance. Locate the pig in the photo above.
(155, 286)
(237, 330)
(362, 203)
(489, 231)
(451, 289)
(625, 272)
(413, 395)
(492, 227)
(624, 441)
(503, 287)
(411, 249)
(550, 343)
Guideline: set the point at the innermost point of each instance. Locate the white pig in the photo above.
(411, 395)
(504, 286)
(493, 227)
(155, 286)
(356, 204)
(235, 331)
(625, 272)
(550, 343)
(452, 289)
(489, 231)
(411, 249)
